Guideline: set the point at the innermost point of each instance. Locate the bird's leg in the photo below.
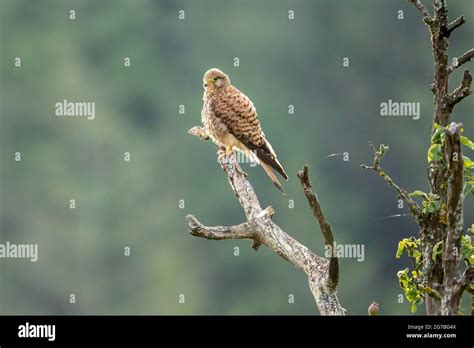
(238, 168)
(224, 159)
(223, 154)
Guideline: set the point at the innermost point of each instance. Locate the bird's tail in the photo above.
(272, 176)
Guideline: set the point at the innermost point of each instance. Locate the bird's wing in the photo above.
(239, 115)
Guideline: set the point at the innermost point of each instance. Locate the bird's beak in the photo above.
(204, 85)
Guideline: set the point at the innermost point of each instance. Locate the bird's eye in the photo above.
(214, 79)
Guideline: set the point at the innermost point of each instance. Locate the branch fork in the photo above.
(322, 274)
(403, 194)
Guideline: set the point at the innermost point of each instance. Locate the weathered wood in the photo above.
(260, 228)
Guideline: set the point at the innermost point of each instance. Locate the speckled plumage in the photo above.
(231, 121)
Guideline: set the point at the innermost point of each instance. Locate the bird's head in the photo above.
(214, 79)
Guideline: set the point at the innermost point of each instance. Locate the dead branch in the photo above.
(455, 24)
(324, 225)
(462, 91)
(260, 228)
(459, 61)
(424, 12)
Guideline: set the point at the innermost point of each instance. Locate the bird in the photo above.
(230, 119)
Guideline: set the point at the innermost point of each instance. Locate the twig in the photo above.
(455, 24)
(378, 154)
(466, 57)
(242, 231)
(324, 225)
(462, 91)
(424, 12)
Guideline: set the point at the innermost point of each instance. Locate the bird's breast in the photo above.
(217, 130)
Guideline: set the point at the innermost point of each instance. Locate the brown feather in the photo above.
(265, 156)
(272, 176)
(231, 119)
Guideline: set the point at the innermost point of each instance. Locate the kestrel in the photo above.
(230, 119)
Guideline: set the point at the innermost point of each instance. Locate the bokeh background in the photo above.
(136, 204)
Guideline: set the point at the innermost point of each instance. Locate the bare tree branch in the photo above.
(455, 24)
(324, 225)
(462, 91)
(262, 230)
(378, 154)
(424, 12)
(466, 57)
(242, 231)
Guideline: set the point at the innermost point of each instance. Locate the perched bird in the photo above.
(230, 119)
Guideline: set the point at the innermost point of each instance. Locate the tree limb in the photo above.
(466, 57)
(262, 230)
(440, 275)
(378, 154)
(455, 24)
(324, 225)
(242, 231)
(462, 91)
(424, 12)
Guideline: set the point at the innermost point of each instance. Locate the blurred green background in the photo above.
(136, 204)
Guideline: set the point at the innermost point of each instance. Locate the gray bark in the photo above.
(260, 228)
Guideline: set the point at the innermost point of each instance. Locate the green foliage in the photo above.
(435, 152)
(411, 280)
(438, 135)
(467, 246)
(419, 193)
(408, 280)
(411, 246)
(468, 165)
(409, 284)
(431, 202)
(468, 142)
